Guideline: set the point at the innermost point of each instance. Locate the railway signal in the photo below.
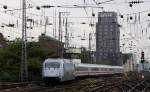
(142, 57)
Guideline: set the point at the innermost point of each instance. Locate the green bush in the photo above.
(8, 77)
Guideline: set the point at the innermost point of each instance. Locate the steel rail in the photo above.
(134, 87)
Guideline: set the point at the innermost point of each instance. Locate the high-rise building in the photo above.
(107, 39)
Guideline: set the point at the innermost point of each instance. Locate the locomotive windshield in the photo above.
(52, 65)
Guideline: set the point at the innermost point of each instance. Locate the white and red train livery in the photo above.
(64, 70)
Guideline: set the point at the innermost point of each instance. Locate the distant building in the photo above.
(73, 50)
(107, 39)
(73, 54)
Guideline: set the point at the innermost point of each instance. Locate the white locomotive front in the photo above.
(57, 70)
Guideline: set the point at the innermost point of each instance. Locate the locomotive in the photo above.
(64, 70)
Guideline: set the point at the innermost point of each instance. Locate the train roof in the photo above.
(97, 65)
(80, 64)
(57, 60)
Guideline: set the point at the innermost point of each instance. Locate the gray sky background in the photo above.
(134, 33)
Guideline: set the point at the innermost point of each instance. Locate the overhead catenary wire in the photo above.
(68, 17)
(78, 7)
(72, 16)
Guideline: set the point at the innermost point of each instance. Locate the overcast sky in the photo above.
(133, 32)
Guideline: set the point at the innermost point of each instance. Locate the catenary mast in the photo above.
(24, 68)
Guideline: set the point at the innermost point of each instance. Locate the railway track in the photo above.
(15, 85)
(85, 85)
(135, 86)
(147, 88)
(79, 85)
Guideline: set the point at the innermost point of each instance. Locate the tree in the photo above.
(85, 56)
(10, 60)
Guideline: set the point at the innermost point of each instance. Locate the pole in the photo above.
(90, 57)
(55, 24)
(24, 68)
(45, 25)
(90, 38)
(66, 35)
(60, 37)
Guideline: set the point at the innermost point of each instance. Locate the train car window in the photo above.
(110, 69)
(81, 69)
(102, 69)
(52, 65)
(94, 69)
